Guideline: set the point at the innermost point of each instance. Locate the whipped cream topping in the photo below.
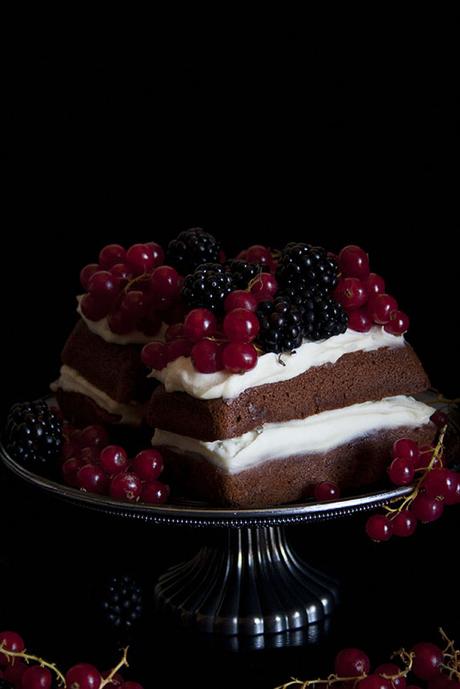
(102, 329)
(71, 381)
(181, 376)
(316, 434)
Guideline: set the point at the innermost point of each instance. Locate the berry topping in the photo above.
(156, 252)
(264, 286)
(381, 306)
(92, 309)
(398, 323)
(359, 320)
(104, 286)
(165, 285)
(323, 317)
(33, 435)
(241, 325)
(374, 284)
(354, 262)
(207, 287)
(140, 259)
(199, 323)
(240, 300)
(281, 327)
(257, 253)
(239, 357)
(178, 348)
(192, 248)
(122, 602)
(207, 356)
(351, 293)
(243, 272)
(303, 266)
(87, 273)
(154, 355)
(111, 255)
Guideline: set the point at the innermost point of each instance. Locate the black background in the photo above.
(261, 137)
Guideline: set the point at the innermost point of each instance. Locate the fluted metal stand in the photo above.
(248, 582)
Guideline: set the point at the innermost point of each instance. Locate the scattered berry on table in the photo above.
(123, 602)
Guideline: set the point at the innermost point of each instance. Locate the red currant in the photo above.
(241, 325)
(87, 273)
(154, 356)
(354, 262)
(156, 252)
(148, 465)
(104, 286)
(89, 455)
(401, 471)
(379, 528)
(178, 348)
(427, 660)
(326, 491)
(454, 497)
(83, 676)
(93, 436)
(92, 479)
(155, 493)
(404, 524)
(207, 356)
(427, 509)
(111, 255)
(92, 309)
(121, 322)
(381, 306)
(140, 259)
(425, 456)
(351, 293)
(165, 285)
(37, 677)
(133, 303)
(11, 642)
(70, 470)
(175, 332)
(199, 323)
(440, 483)
(259, 254)
(240, 300)
(359, 320)
(239, 357)
(398, 323)
(264, 287)
(352, 662)
(14, 673)
(122, 272)
(406, 449)
(375, 284)
(114, 459)
(439, 418)
(374, 682)
(126, 487)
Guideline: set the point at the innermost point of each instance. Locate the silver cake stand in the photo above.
(248, 580)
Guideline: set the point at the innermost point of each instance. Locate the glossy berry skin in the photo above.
(175, 332)
(178, 348)
(326, 491)
(122, 272)
(140, 259)
(374, 284)
(390, 669)
(83, 676)
(427, 509)
(259, 254)
(454, 497)
(104, 286)
(37, 678)
(207, 356)
(11, 642)
(439, 418)
(381, 307)
(114, 460)
(165, 285)
(238, 357)
(404, 524)
(14, 673)
(398, 323)
(110, 255)
(351, 662)
(440, 483)
(401, 471)
(92, 309)
(87, 273)
(379, 528)
(239, 299)
(155, 493)
(354, 262)
(425, 457)
(351, 293)
(154, 356)
(126, 487)
(359, 320)
(427, 660)
(156, 252)
(92, 479)
(133, 303)
(199, 323)
(148, 465)
(69, 471)
(374, 682)
(264, 287)
(93, 436)
(241, 325)
(405, 448)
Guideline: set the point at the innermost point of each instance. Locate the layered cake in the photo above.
(260, 376)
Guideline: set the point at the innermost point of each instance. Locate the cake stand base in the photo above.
(248, 581)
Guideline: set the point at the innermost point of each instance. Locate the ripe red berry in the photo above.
(239, 357)
(264, 287)
(122, 272)
(104, 286)
(374, 682)
(134, 304)
(114, 459)
(427, 509)
(427, 660)
(454, 497)
(406, 449)
(121, 322)
(359, 320)
(381, 306)
(259, 254)
(207, 356)
(14, 672)
(401, 471)
(241, 325)
(391, 669)
(398, 323)
(199, 323)
(92, 309)
(425, 457)
(240, 300)
(87, 273)
(440, 483)
(326, 491)
(379, 528)
(404, 524)
(37, 677)
(70, 470)
(178, 348)
(351, 293)
(83, 676)
(148, 465)
(439, 418)
(351, 662)
(175, 332)
(155, 493)
(165, 285)
(92, 479)
(156, 252)
(354, 262)
(140, 259)
(112, 254)
(154, 355)
(126, 487)
(374, 284)
(93, 436)
(11, 642)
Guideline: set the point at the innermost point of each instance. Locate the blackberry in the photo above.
(243, 272)
(323, 317)
(281, 328)
(191, 249)
(303, 266)
(33, 435)
(207, 287)
(123, 602)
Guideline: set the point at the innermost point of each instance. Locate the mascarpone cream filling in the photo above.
(315, 434)
(181, 376)
(71, 381)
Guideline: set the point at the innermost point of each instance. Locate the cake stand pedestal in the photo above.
(247, 580)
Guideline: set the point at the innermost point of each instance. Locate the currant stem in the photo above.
(30, 658)
(123, 663)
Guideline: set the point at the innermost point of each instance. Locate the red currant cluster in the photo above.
(91, 464)
(362, 294)
(21, 670)
(217, 344)
(435, 487)
(131, 288)
(439, 667)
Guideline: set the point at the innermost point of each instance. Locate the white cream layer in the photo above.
(316, 434)
(71, 381)
(181, 376)
(102, 329)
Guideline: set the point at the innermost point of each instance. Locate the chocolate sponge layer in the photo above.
(353, 465)
(355, 378)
